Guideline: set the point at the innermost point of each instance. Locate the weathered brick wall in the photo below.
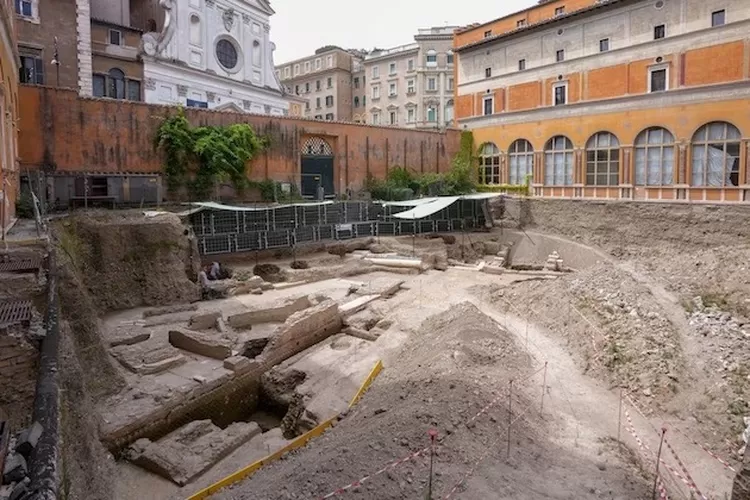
(65, 133)
(19, 360)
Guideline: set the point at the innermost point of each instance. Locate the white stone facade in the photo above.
(215, 54)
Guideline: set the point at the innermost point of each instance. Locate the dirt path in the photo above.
(592, 408)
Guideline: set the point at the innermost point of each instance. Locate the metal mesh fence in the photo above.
(230, 231)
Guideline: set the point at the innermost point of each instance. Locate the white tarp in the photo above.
(210, 205)
(430, 206)
(426, 209)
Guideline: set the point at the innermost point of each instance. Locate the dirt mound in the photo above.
(269, 272)
(620, 332)
(127, 260)
(468, 363)
(299, 264)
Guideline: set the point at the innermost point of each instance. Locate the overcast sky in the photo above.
(301, 26)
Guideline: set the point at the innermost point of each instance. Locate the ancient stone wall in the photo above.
(19, 360)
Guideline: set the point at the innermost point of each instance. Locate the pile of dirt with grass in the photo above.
(127, 260)
(450, 369)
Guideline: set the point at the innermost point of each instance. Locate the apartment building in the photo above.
(9, 112)
(632, 99)
(47, 33)
(324, 81)
(392, 85)
(412, 85)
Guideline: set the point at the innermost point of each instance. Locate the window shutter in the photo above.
(39, 71)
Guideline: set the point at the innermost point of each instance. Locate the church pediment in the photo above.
(229, 106)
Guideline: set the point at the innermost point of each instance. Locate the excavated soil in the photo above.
(468, 364)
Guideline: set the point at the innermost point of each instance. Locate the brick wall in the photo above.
(19, 359)
(67, 133)
(57, 18)
(726, 63)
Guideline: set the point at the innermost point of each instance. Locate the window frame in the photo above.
(296, 69)
(375, 72)
(656, 69)
(411, 114)
(647, 145)
(488, 72)
(392, 89)
(449, 58)
(410, 65)
(19, 4)
(660, 29)
(449, 84)
(604, 45)
(514, 152)
(596, 167)
(434, 87)
(392, 68)
(568, 166)
(723, 13)
(522, 64)
(487, 33)
(705, 142)
(560, 11)
(411, 86)
(485, 100)
(318, 63)
(329, 115)
(521, 23)
(431, 58)
(560, 55)
(329, 101)
(329, 82)
(560, 85)
(38, 76)
(489, 164)
(119, 37)
(375, 92)
(392, 118)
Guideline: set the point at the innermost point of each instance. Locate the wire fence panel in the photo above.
(227, 231)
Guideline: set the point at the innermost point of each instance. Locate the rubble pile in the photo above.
(15, 479)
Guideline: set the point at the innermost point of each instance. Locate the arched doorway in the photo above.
(317, 168)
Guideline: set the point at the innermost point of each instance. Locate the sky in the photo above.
(301, 26)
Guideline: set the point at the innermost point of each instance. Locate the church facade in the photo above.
(214, 54)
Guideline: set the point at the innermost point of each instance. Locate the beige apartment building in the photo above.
(406, 86)
(412, 85)
(324, 80)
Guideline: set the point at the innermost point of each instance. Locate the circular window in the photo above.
(560, 32)
(659, 4)
(226, 53)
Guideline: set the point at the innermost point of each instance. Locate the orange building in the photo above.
(8, 116)
(632, 99)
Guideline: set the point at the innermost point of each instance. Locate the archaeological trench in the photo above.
(118, 382)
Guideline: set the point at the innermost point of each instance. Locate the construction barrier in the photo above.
(299, 442)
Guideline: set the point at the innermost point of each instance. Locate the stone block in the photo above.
(148, 357)
(275, 314)
(237, 363)
(302, 330)
(189, 451)
(15, 468)
(359, 333)
(130, 339)
(204, 321)
(356, 305)
(200, 343)
(28, 438)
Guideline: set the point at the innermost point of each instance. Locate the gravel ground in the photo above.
(447, 372)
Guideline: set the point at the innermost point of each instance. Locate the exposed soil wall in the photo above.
(126, 260)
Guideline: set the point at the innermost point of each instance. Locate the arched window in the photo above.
(603, 160)
(356, 101)
(195, 30)
(654, 157)
(558, 161)
(116, 84)
(521, 161)
(716, 155)
(489, 164)
(431, 58)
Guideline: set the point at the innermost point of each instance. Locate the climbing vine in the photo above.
(198, 157)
